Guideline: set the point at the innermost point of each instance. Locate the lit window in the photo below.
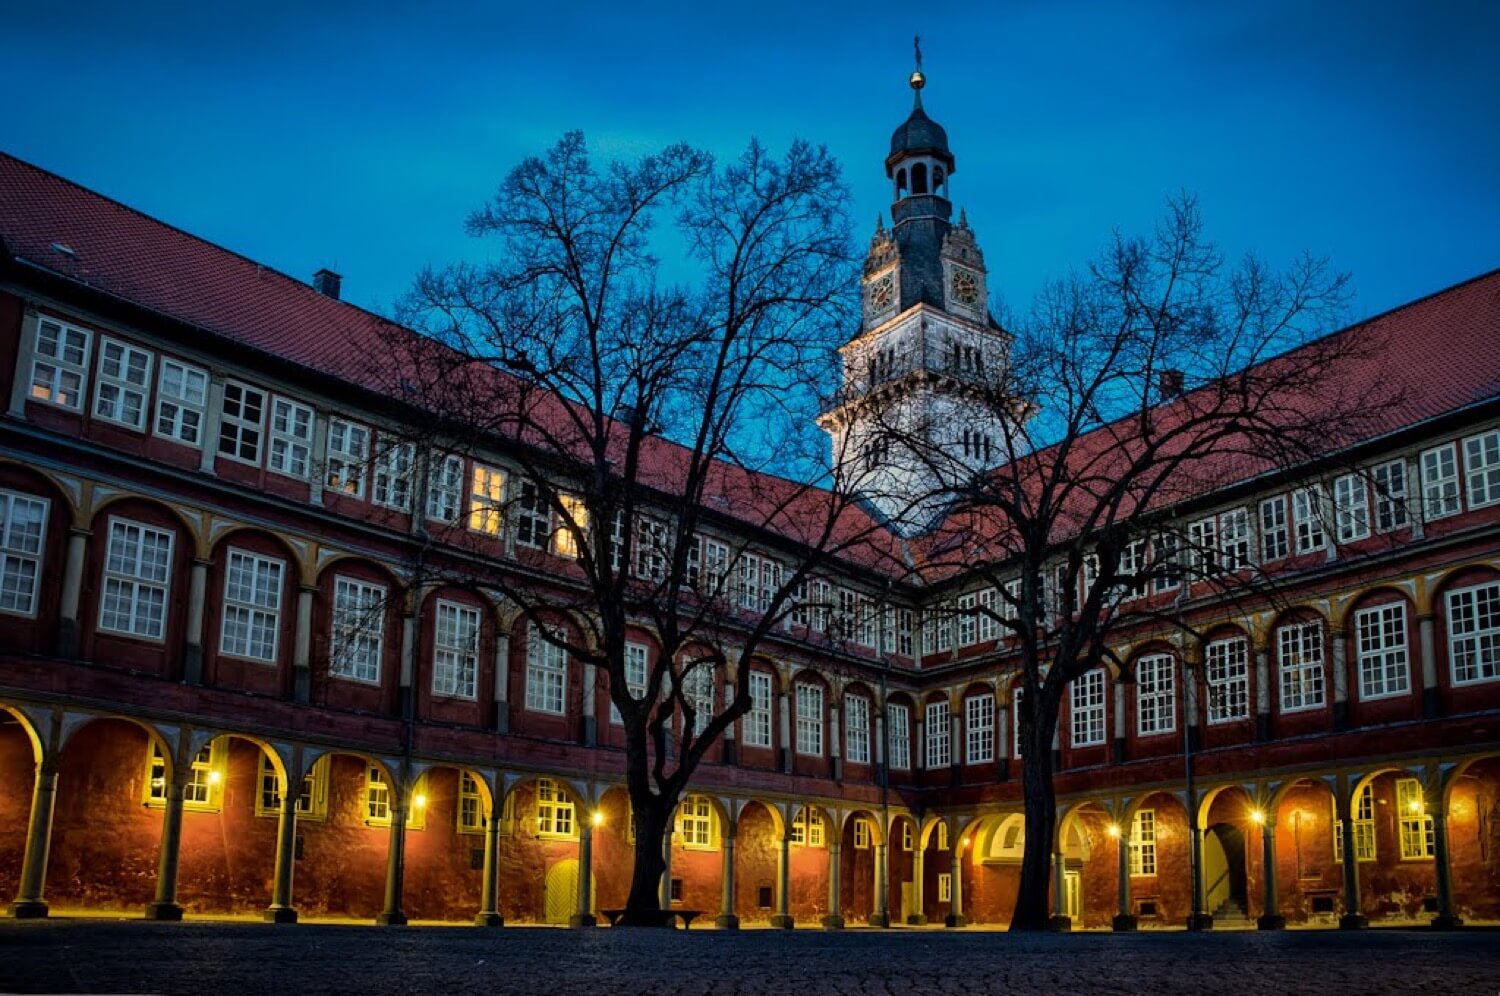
(348, 451)
(137, 576)
(907, 841)
(636, 655)
(59, 368)
(23, 535)
(945, 887)
(1482, 468)
(695, 822)
(291, 438)
(486, 499)
(1143, 842)
(1274, 539)
(533, 520)
(899, 719)
(1364, 827)
(470, 804)
(242, 422)
(757, 725)
(204, 787)
(1226, 663)
(572, 527)
(1418, 835)
(554, 811)
(809, 720)
(1307, 517)
(181, 396)
(312, 801)
(1087, 708)
(939, 736)
(1155, 695)
(861, 833)
(1440, 482)
(807, 828)
(546, 671)
(445, 486)
(857, 729)
(1351, 507)
(124, 384)
(1474, 633)
(979, 726)
(1380, 635)
(455, 656)
(377, 797)
(1390, 496)
(393, 471)
(252, 606)
(358, 630)
(1300, 664)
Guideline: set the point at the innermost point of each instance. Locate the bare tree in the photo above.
(645, 379)
(1155, 378)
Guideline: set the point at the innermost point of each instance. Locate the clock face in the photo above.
(965, 288)
(882, 293)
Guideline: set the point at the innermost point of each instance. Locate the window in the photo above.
(1380, 646)
(968, 628)
(942, 836)
(904, 622)
(989, 624)
(240, 422)
(358, 629)
(572, 527)
(137, 575)
(486, 499)
(393, 468)
(848, 614)
(455, 654)
(546, 671)
(635, 677)
(939, 736)
(312, 800)
(716, 570)
(944, 627)
(945, 887)
(124, 383)
(1087, 708)
(695, 822)
(291, 438)
(445, 483)
(1155, 695)
(378, 801)
(757, 725)
(861, 833)
(1418, 840)
(1307, 516)
(807, 828)
(470, 804)
(1167, 553)
(907, 842)
(1474, 633)
(1273, 534)
(650, 549)
(1203, 547)
(698, 689)
(1440, 482)
(899, 718)
(857, 729)
(205, 780)
(348, 449)
(747, 582)
(1390, 496)
(1299, 649)
(252, 606)
(554, 811)
(1351, 507)
(1143, 843)
(1482, 468)
(1226, 663)
(1234, 539)
(23, 536)
(1364, 827)
(1129, 568)
(979, 727)
(533, 520)
(809, 720)
(181, 396)
(59, 368)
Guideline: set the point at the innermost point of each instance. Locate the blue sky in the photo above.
(358, 135)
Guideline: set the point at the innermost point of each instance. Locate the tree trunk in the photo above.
(1032, 912)
(643, 906)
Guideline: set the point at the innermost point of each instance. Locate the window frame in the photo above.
(757, 730)
(856, 729)
(1275, 529)
(1308, 532)
(452, 659)
(238, 427)
(1481, 636)
(1442, 486)
(979, 728)
(393, 485)
(60, 365)
(280, 459)
(1351, 508)
(181, 404)
(1087, 709)
(1234, 681)
(344, 462)
(937, 734)
(486, 507)
(1482, 469)
(899, 740)
(808, 718)
(137, 582)
(11, 551)
(1155, 695)
(445, 489)
(254, 611)
(546, 673)
(1377, 655)
(356, 630)
(122, 384)
(1301, 667)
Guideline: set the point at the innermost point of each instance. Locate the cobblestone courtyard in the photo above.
(231, 958)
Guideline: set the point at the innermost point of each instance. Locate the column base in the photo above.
(396, 919)
(170, 912)
(29, 909)
(582, 920)
(916, 919)
(1060, 924)
(1443, 921)
(1124, 923)
(1271, 921)
(279, 914)
(726, 921)
(489, 920)
(782, 921)
(833, 921)
(1353, 921)
(954, 921)
(880, 920)
(1200, 921)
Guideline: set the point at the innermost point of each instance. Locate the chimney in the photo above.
(327, 283)
(1169, 384)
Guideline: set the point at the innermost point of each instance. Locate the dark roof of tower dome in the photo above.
(919, 133)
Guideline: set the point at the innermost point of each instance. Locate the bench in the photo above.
(664, 918)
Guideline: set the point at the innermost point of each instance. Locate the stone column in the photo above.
(1432, 703)
(835, 918)
(192, 660)
(395, 862)
(727, 919)
(489, 909)
(302, 646)
(281, 909)
(1125, 919)
(213, 411)
(502, 684)
(881, 917)
(1447, 918)
(584, 916)
(955, 917)
(1060, 919)
(664, 889)
(1270, 918)
(68, 628)
(29, 904)
(1352, 919)
(918, 880)
(783, 918)
(165, 907)
(1340, 667)
(1200, 918)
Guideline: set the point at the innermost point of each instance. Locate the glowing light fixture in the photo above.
(1114, 830)
(1258, 816)
(420, 800)
(598, 817)
(214, 777)
(1414, 806)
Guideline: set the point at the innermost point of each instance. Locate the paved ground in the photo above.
(79, 956)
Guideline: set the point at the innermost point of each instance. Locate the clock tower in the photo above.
(918, 413)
